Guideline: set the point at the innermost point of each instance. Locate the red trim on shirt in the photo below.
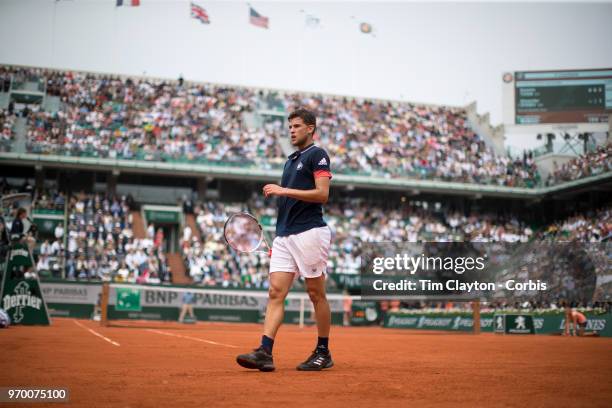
(322, 173)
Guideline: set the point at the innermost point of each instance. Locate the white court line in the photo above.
(95, 333)
(191, 338)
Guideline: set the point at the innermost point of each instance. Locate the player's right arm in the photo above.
(319, 194)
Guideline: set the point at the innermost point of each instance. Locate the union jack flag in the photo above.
(199, 13)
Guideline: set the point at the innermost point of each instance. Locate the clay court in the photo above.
(166, 364)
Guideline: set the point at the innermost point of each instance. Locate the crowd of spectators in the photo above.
(50, 254)
(355, 222)
(101, 243)
(18, 76)
(112, 117)
(148, 119)
(591, 226)
(403, 139)
(50, 199)
(210, 261)
(589, 164)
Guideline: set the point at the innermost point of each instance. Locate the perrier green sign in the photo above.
(21, 297)
(128, 300)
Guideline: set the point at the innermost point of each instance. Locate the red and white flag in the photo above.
(199, 13)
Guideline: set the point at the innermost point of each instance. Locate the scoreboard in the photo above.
(554, 97)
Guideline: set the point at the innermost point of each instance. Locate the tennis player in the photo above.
(301, 245)
(577, 320)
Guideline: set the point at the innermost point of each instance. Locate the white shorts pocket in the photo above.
(312, 246)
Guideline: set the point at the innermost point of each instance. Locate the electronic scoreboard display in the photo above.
(577, 96)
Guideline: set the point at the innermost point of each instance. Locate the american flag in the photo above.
(199, 13)
(256, 19)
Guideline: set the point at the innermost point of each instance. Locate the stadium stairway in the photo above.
(138, 225)
(20, 129)
(191, 222)
(175, 260)
(177, 266)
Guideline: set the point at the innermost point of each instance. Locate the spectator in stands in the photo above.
(151, 231)
(187, 234)
(45, 248)
(17, 227)
(123, 272)
(43, 263)
(187, 205)
(59, 231)
(590, 164)
(159, 239)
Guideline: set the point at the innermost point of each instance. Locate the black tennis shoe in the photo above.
(259, 359)
(317, 361)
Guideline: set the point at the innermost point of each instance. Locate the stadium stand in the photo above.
(591, 226)
(108, 116)
(111, 117)
(101, 243)
(403, 139)
(589, 164)
(102, 116)
(209, 259)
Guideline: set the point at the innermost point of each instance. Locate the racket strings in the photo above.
(243, 233)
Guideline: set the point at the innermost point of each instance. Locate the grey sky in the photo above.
(440, 53)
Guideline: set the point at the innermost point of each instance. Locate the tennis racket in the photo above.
(243, 232)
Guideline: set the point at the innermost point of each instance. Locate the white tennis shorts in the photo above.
(304, 253)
